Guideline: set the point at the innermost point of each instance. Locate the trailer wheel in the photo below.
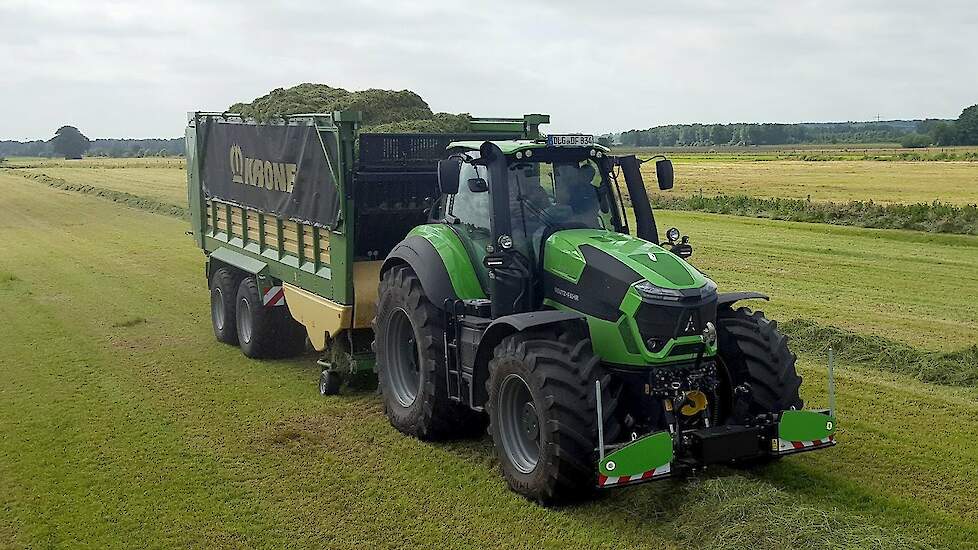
(292, 335)
(755, 354)
(256, 323)
(224, 288)
(409, 345)
(542, 413)
(329, 383)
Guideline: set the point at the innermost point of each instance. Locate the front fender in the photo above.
(727, 299)
(503, 327)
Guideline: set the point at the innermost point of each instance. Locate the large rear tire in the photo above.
(265, 332)
(409, 345)
(756, 357)
(542, 413)
(224, 288)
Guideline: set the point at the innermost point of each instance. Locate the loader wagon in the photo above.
(491, 278)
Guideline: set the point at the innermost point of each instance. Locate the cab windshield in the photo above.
(544, 196)
(550, 196)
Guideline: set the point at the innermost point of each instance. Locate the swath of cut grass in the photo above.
(956, 368)
(736, 512)
(121, 197)
(935, 217)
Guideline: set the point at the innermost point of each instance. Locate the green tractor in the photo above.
(599, 359)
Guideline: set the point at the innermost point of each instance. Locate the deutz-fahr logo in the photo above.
(274, 176)
(569, 295)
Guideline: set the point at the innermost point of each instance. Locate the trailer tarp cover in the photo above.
(278, 169)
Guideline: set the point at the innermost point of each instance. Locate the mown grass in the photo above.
(116, 433)
(911, 287)
(934, 217)
(958, 367)
(843, 181)
(122, 197)
(815, 152)
(161, 179)
(152, 434)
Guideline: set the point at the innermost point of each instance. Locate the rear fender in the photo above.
(418, 253)
(436, 254)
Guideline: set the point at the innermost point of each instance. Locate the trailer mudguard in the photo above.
(423, 257)
(726, 299)
(503, 327)
(235, 259)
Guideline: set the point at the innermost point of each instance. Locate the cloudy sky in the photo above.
(132, 69)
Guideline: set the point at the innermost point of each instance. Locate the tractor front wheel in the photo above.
(759, 368)
(542, 413)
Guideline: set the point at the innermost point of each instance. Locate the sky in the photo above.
(133, 69)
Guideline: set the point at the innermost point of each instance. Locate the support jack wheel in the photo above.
(329, 383)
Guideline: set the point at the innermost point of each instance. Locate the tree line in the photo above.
(69, 142)
(910, 133)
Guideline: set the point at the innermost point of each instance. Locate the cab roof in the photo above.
(510, 146)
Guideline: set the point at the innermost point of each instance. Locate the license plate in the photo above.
(570, 141)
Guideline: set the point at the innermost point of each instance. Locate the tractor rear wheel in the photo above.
(409, 344)
(542, 413)
(757, 360)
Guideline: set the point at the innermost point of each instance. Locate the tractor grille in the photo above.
(660, 321)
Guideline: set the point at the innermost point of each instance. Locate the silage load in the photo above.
(383, 110)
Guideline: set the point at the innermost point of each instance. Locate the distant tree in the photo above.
(71, 143)
(719, 135)
(966, 126)
(602, 140)
(915, 141)
(944, 134)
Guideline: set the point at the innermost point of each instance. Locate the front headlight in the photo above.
(649, 291)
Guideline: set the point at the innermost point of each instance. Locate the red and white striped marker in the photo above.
(661, 471)
(788, 446)
(274, 296)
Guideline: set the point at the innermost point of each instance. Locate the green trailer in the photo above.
(492, 278)
(309, 269)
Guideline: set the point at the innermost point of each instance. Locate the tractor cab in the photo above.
(538, 188)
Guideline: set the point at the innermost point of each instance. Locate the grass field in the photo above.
(837, 181)
(124, 424)
(730, 173)
(162, 179)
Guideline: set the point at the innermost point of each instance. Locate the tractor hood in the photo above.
(644, 304)
(618, 258)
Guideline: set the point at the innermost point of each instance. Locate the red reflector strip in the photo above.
(274, 296)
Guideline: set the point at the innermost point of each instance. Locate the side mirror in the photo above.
(663, 173)
(478, 185)
(448, 171)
